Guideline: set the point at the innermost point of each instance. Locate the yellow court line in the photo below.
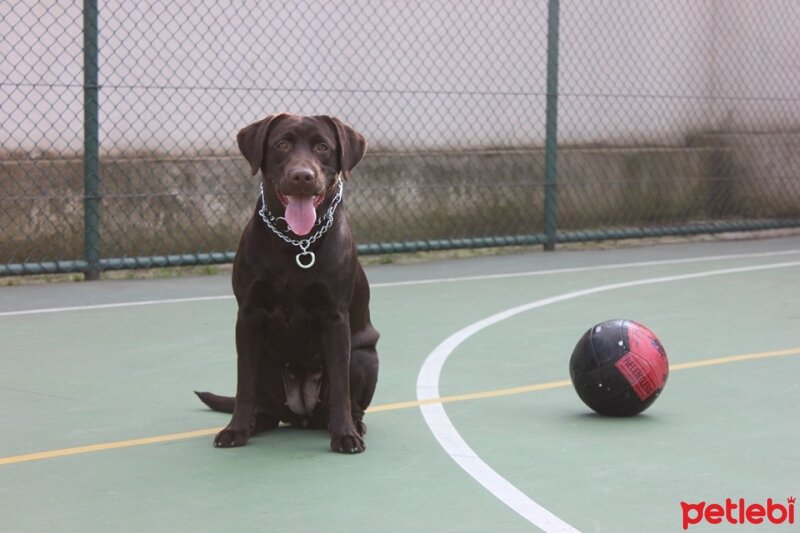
(468, 396)
(63, 452)
(734, 359)
(105, 446)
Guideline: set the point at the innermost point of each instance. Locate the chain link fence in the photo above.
(489, 123)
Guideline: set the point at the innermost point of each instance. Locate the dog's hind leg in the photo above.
(363, 379)
(264, 422)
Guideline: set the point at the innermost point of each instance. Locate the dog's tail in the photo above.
(223, 404)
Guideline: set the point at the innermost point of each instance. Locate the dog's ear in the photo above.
(351, 145)
(251, 140)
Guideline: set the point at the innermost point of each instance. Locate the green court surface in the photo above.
(100, 430)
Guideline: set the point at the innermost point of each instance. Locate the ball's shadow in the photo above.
(594, 418)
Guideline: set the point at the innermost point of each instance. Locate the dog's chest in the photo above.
(295, 315)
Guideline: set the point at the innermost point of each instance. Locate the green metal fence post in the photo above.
(91, 143)
(551, 125)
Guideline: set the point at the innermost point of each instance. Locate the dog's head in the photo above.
(300, 158)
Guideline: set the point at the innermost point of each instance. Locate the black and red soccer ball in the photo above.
(619, 368)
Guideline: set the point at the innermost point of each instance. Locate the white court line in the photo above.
(452, 442)
(590, 268)
(115, 305)
(90, 307)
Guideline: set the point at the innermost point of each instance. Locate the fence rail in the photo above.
(490, 123)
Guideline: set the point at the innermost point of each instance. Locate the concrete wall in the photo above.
(155, 206)
(181, 79)
(450, 95)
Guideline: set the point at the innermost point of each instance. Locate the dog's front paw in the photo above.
(349, 443)
(231, 437)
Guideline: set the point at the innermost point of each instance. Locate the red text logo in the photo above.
(738, 512)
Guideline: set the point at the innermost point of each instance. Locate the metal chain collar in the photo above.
(325, 220)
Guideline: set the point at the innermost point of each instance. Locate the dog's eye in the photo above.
(283, 145)
(321, 147)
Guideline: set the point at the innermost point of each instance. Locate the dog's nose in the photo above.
(301, 174)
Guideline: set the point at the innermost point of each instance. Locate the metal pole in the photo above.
(551, 125)
(91, 143)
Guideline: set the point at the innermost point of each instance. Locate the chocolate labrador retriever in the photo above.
(304, 340)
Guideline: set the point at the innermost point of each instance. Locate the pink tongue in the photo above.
(300, 214)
